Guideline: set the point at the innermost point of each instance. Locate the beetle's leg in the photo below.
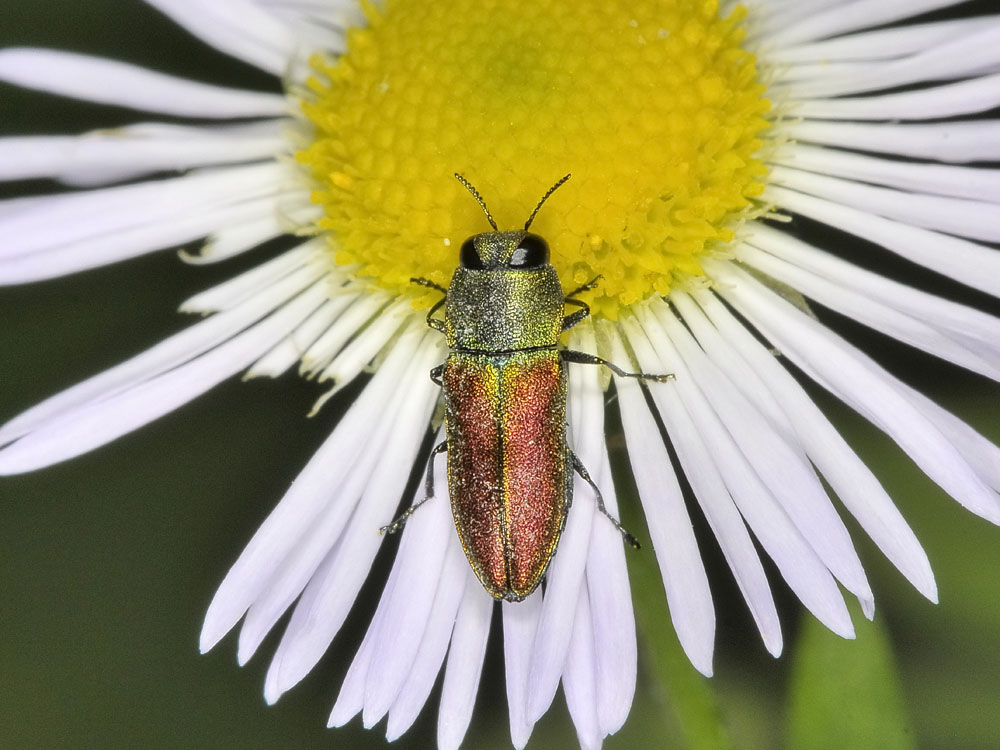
(436, 373)
(582, 358)
(571, 320)
(436, 323)
(398, 524)
(585, 476)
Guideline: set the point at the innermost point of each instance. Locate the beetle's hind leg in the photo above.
(580, 469)
(436, 323)
(582, 358)
(398, 524)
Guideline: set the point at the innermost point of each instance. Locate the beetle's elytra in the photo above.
(509, 466)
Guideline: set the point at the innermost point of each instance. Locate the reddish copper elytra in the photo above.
(509, 465)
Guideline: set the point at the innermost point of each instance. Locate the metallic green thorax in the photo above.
(499, 309)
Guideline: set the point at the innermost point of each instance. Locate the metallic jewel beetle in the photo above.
(509, 465)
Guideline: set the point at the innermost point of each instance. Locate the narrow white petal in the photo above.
(877, 45)
(465, 664)
(963, 98)
(676, 549)
(978, 220)
(367, 343)
(612, 618)
(399, 624)
(566, 571)
(121, 84)
(878, 312)
(307, 500)
(520, 627)
(361, 309)
(580, 680)
(63, 218)
(792, 536)
(228, 242)
(784, 472)
(96, 423)
(936, 179)
(851, 16)
(857, 380)
(233, 292)
(103, 156)
(289, 351)
(975, 265)
(710, 491)
(966, 56)
(373, 487)
(165, 356)
(962, 141)
(240, 28)
(351, 698)
(430, 656)
(851, 479)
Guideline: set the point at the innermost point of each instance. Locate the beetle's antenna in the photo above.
(479, 200)
(544, 198)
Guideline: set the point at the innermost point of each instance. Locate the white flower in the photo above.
(752, 444)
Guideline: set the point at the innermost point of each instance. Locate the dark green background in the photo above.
(108, 562)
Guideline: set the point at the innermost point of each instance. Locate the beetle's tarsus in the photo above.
(582, 358)
(580, 469)
(400, 522)
(428, 283)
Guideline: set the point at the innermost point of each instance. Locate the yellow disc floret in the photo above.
(652, 105)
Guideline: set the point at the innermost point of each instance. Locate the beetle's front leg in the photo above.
(580, 315)
(436, 373)
(582, 358)
(436, 323)
(398, 524)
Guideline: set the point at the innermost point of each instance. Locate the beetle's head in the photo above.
(515, 250)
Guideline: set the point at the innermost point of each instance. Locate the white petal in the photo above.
(792, 536)
(674, 544)
(430, 656)
(95, 424)
(165, 356)
(882, 311)
(851, 16)
(580, 681)
(121, 84)
(975, 265)
(784, 472)
(857, 380)
(351, 698)
(565, 574)
(465, 663)
(520, 627)
(361, 309)
(978, 220)
(962, 141)
(710, 491)
(289, 351)
(850, 478)
(963, 98)
(374, 485)
(103, 156)
(402, 617)
(307, 500)
(612, 619)
(237, 27)
(876, 45)
(937, 179)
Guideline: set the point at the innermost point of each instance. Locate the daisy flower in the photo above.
(720, 153)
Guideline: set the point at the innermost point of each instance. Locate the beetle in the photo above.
(510, 468)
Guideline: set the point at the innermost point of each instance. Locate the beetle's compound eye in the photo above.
(531, 252)
(469, 256)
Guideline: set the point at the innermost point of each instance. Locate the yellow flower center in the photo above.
(652, 105)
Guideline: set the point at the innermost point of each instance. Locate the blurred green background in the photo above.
(108, 562)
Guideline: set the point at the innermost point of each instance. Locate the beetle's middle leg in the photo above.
(580, 469)
(582, 358)
(398, 524)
